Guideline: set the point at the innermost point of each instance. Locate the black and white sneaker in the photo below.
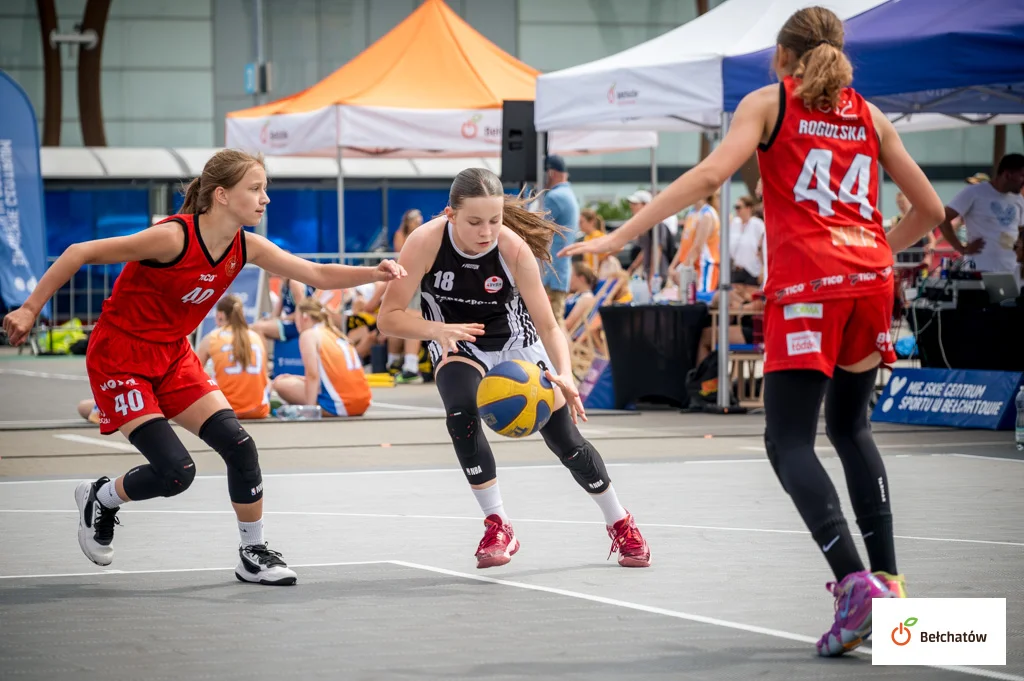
(95, 523)
(260, 565)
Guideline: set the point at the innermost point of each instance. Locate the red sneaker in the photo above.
(627, 540)
(498, 545)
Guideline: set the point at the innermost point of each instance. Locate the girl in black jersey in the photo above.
(483, 303)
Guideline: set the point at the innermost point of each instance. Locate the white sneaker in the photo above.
(260, 565)
(95, 523)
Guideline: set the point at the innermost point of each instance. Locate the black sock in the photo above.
(836, 543)
(877, 534)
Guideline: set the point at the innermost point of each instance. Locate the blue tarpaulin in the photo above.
(943, 56)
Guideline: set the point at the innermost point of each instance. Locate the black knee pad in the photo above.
(225, 434)
(581, 458)
(471, 446)
(170, 470)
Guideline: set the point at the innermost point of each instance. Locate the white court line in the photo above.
(327, 474)
(915, 445)
(700, 619)
(86, 440)
(975, 456)
(712, 461)
(42, 374)
(406, 407)
(170, 570)
(476, 519)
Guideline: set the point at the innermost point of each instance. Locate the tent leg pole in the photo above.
(654, 266)
(724, 285)
(341, 208)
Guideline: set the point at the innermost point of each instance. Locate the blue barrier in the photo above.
(287, 358)
(596, 388)
(950, 397)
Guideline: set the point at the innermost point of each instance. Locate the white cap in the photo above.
(640, 196)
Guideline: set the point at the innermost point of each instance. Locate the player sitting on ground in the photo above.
(334, 376)
(239, 360)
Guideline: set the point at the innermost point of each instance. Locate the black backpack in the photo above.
(702, 384)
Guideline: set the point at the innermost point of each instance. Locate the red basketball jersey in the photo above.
(165, 302)
(820, 175)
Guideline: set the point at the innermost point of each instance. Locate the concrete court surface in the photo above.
(381, 528)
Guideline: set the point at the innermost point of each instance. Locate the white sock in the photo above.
(107, 496)
(393, 357)
(608, 501)
(412, 364)
(251, 533)
(490, 501)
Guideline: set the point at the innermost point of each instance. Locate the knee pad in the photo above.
(572, 449)
(170, 471)
(471, 446)
(225, 434)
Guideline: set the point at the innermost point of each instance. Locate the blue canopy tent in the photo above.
(954, 57)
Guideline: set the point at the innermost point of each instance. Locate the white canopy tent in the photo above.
(676, 82)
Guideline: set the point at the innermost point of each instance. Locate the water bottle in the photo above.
(1019, 433)
(656, 283)
(299, 412)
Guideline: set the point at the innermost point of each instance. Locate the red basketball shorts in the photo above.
(131, 377)
(825, 334)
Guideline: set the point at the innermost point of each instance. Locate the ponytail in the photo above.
(191, 202)
(530, 226)
(814, 35)
(316, 311)
(823, 72)
(231, 307)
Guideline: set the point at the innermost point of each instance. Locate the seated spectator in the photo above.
(239, 360)
(361, 322)
(581, 293)
(411, 219)
(334, 377)
(281, 324)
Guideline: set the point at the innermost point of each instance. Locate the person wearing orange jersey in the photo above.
(334, 377)
(239, 360)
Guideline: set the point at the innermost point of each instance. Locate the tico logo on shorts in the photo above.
(493, 284)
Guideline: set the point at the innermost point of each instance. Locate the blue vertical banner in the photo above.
(22, 222)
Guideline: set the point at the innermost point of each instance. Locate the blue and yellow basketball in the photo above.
(515, 398)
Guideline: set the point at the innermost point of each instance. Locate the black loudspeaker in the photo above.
(518, 143)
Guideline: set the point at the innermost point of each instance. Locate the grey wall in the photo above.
(157, 77)
(173, 68)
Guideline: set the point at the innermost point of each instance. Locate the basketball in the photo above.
(515, 398)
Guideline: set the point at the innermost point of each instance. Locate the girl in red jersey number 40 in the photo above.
(143, 370)
(829, 290)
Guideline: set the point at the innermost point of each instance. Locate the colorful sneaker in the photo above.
(260, 565)
(852, 625)
(95, 523)
(897, 584)
(408, 377)
(627, 540)
(498, 545)
(395, 368)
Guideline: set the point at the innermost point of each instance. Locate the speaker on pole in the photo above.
(518, 143)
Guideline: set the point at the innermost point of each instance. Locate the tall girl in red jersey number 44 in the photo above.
(143, 370)
(829, 291)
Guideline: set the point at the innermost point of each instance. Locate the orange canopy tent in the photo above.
(430, 86)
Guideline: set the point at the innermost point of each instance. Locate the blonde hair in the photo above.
(407, 218)
(536, 231)
(594, 218)
(318, 313)
(815, 36)
(225, 169)
(241, 346)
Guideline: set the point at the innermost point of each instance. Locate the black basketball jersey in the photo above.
(477, 289)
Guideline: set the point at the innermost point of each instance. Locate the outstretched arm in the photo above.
(161, 243)
(266, 254)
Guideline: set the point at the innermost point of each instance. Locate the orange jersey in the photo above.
(246, 388)
(344, 390)
(820, 173)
